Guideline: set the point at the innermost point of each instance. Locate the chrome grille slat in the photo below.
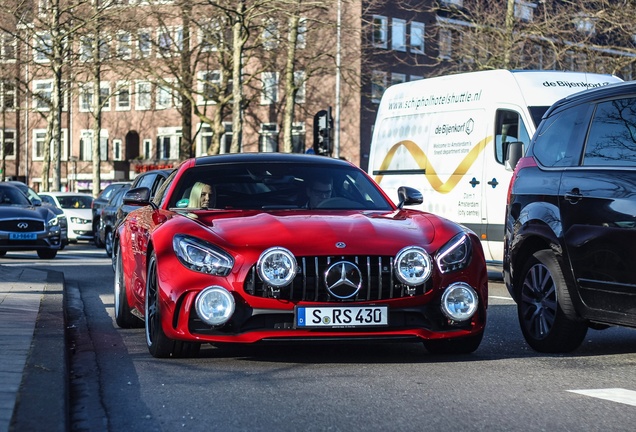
(378, 279)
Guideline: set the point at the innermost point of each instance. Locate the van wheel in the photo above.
(542, 302)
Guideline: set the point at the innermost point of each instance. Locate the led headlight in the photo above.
(215, 305)
(459, 301)
(277, 267)
(454, 255)
(54, 221)
(201, 256)
(79, 220)
(413, 265)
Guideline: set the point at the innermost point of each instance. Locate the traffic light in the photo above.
(323, 132)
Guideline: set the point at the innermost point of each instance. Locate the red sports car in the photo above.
(246, 248)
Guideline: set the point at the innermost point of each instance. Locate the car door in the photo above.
(598, 209)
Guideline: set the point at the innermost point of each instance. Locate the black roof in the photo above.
(269, 157)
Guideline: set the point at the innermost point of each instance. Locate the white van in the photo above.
(445, 136)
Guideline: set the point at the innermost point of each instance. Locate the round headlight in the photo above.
(459, 301)
(413, 265)
(215, 305)
(277, 267)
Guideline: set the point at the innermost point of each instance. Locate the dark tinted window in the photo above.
(554, 138)
(612, 136)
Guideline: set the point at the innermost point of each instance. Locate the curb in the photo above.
(43, 398)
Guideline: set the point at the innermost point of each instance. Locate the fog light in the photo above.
(459, 301)
(215, 305)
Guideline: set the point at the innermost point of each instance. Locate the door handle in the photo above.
(574, 196)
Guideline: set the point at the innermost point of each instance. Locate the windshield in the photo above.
(277, 185)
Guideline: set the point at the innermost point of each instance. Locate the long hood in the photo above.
(355, 233)
(20, 212)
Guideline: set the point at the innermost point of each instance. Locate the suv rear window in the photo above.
(612, 137)
(555, 137)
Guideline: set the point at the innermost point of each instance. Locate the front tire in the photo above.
(47, 253)
(98, 241)
(123, 314)
(160, 345)
(543, 303)
(108, 243)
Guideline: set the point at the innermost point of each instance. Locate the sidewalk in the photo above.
(33, 355)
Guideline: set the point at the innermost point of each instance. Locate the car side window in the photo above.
(612, 137)
(554, 138)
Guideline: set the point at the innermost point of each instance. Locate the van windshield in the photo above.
(537, 114)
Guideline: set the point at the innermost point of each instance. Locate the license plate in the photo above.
(23, 236)
(342, 316)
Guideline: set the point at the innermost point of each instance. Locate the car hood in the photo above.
(354, 232)
(23, 212)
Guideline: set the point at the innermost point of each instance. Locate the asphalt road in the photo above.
(504, 386)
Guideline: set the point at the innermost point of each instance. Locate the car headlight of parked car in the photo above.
(277, 267)
(459, 301)
(215, 305)
(200, 256)
(454, 255)
(413, 265)
(54, 221)
(80, 221)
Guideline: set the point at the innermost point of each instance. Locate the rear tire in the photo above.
(457, 346)
(160, 345)
(123, 314)
(544, 306)
(108, 243)
(98, 242)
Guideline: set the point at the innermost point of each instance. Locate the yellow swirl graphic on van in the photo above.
(423, 162)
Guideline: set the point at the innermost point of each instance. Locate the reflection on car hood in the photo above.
(372, 232)
(21, 212)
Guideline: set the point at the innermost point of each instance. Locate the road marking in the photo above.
(613, 394)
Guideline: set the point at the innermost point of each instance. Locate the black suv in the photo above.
(570, 236)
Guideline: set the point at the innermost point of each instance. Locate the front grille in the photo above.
(12, 225)
(378, 281)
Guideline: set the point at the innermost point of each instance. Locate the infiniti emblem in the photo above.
(23, 225)
(343, 279)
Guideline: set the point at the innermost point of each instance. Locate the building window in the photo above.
(142, 95)
(209, 36)
(144, 43)
(42, 93)
(122, 96)
(147, 149)
(269, 137)
(169, 41)
(8, 44)
(378, 85)
(39, 138)
(585, 24)
(269, 91)
(456, 3)
(417, 37)
(524, 11)
(298, 138)
(43, 47)
(7, 96)
(164, 96)
(398, 34)
(415, 77)
(86, 97)
(117, 149)
(209, 86)
(168, 142)
(445, 43)
(86, 145)
(301, 39)
(124, 45)
(380, 31)
(104, 95)
(299, 82)
(397, 78)
(270, 34)
(226, 139)
(7, 138)
(86, 48)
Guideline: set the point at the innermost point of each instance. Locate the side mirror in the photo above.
(36, 202)
(138, 196)
(514, 152)
(409, 196)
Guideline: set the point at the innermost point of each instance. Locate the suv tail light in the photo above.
(524, 162)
